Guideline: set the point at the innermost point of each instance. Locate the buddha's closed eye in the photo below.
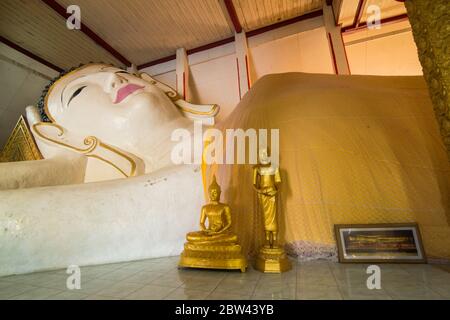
(75, 93)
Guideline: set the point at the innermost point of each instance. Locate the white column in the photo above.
(336, 42)
(182, 69)
(243, 63)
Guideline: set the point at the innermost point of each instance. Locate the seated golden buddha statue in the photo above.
(214, 246)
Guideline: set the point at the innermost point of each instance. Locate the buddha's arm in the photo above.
(255, 179)
(277, 176)
(203, 219)
(227, 218)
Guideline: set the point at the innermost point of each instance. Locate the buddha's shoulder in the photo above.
(219, 205)
(263, 170)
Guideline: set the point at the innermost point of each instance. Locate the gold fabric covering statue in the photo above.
(271, 257)
(214, 246)
(355, 152)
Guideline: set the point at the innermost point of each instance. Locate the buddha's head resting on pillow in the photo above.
(132, 112)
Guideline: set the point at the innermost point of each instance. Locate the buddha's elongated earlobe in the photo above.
(171, 93)
(53, 134)
(199, 112)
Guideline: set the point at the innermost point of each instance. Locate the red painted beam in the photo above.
(30, 54)
(310, 15)
(210, 45)
(87, 31)
(157, 61)
(233, 15)
(360, 12)
(280, 24)
(358, 15)
(333, 55)
(389, 20)
(189, 51)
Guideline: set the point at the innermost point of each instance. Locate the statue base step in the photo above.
(227, 257)
(272, 260)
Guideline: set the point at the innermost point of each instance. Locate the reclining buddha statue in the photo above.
(102, 124)
(214, 246)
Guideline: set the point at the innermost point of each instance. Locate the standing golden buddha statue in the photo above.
(266, 178)
(214, 246)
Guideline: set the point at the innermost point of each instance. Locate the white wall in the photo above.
(220, 87)
(307, 51)
(388, 51)
(21, 83)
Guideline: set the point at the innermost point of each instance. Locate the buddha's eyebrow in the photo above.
(62, 92)
(102, 69)
(75, 93)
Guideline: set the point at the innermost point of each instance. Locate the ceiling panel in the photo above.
(144, 30)
(254, 14)
(389, 8)
(35, 27)
(348, 11)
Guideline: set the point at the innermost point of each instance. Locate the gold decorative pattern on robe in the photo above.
(20, 145)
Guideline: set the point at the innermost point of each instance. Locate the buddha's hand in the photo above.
(257, 190)
(269, 193)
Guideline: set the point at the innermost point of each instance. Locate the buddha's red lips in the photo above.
(126, 91)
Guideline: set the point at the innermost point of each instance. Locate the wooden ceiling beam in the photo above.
(309, 15)
(359, 12)
(30, 54)
(358, 15)
(88, 32)
(233, 15)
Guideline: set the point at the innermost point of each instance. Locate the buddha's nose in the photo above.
(117, 81)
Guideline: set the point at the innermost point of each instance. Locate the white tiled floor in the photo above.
(161, 279)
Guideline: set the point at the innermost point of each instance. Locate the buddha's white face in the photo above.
(111, 104)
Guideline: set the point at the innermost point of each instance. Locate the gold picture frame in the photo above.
(379, 243)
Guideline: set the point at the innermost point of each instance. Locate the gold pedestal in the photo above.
(217, 256)
(272, 260)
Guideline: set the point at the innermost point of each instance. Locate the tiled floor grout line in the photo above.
(22, 292)
(150, 283)
(433, 290)
(335, 280)
(254, 289)
(218, 283)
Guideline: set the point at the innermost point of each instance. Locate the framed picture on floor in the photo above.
(390, 243)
